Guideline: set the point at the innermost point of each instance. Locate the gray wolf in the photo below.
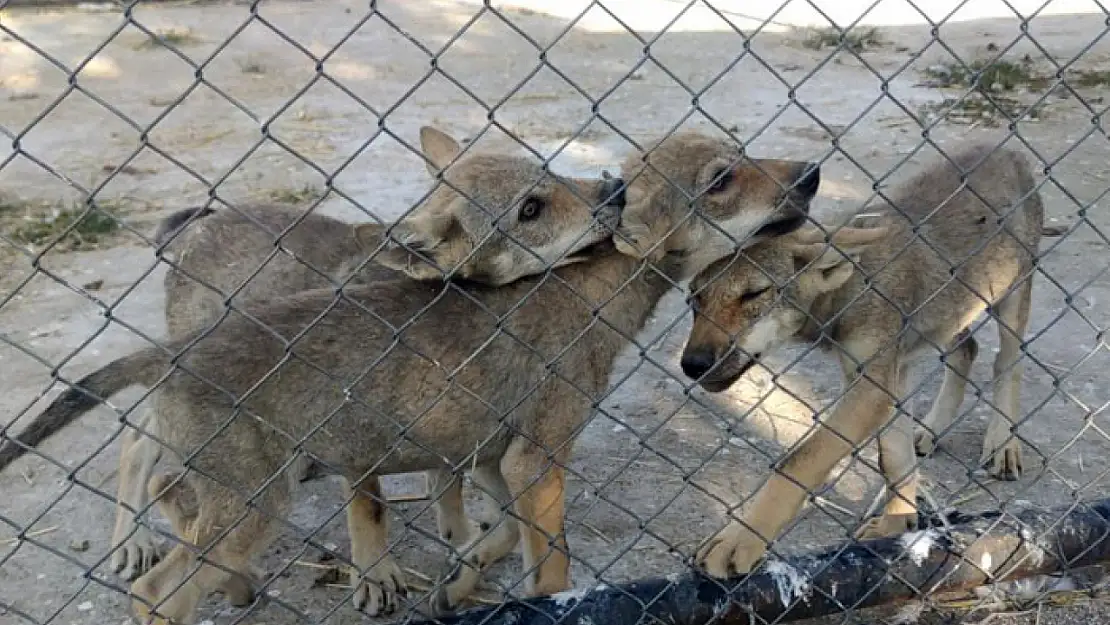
(958, 238)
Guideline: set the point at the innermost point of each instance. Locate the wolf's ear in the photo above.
(411, 242)
(827, 266)
(439, 148)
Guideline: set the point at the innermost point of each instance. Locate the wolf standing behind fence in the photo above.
(223, 251)
(219, 252)
(215, 255)
(943, 253)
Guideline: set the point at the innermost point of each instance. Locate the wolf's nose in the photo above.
(697, 363)
(809, 179)
(612, 192)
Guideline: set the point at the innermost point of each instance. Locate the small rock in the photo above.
(79, 545)
(942, 73)
(85, 607)
(93, 286)
(1060, 91)
(46, 330)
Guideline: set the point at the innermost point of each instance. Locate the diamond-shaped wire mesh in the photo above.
(246, 408)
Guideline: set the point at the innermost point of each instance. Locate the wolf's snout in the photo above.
(696, 363)
(611, 193)
(808, 179)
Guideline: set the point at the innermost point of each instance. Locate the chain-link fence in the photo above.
(574, 312)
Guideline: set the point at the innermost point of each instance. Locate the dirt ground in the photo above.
(652, 469)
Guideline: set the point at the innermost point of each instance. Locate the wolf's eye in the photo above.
(531, 209)
(720, 180)
(750, 295)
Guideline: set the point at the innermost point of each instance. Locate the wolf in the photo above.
(957, 239)
(236, 259)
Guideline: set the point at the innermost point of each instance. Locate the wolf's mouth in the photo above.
(591, 251)
(781, 226)
(717, 385)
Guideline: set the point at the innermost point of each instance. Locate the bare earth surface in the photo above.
(634, 510)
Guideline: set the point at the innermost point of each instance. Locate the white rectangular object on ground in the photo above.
(405, 487)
